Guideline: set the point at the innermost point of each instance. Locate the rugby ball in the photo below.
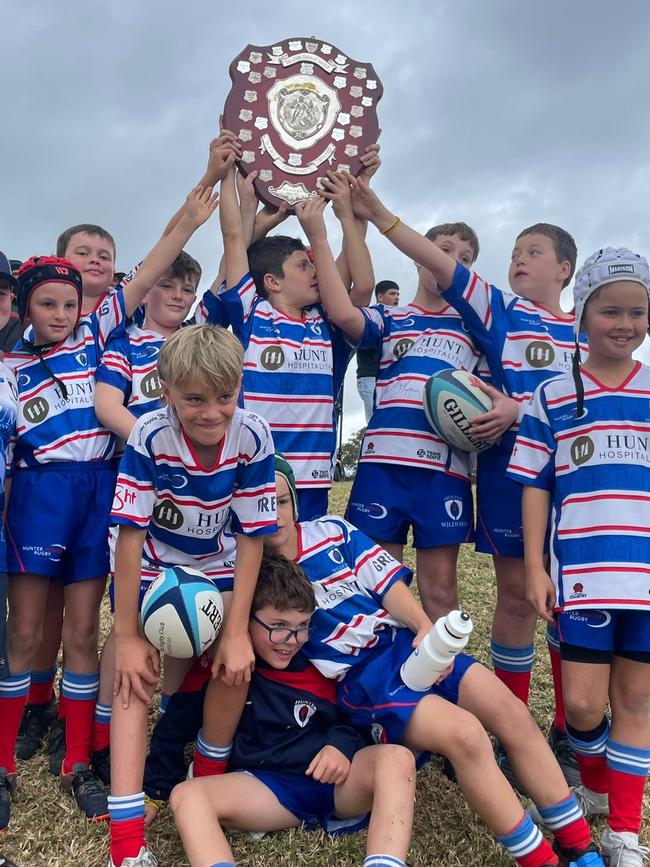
(452, 399)
(181, 612)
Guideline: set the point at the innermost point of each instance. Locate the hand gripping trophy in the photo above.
(300, 108)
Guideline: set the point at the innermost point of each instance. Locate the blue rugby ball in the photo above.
(181, 612)
(452, 399)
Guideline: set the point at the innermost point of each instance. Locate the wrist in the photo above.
(126, 627)
(382, 218)
(347, 218)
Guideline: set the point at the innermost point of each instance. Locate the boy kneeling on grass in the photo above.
(294, 760)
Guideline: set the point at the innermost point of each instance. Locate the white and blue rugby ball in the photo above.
(452, 399)
(181, 612)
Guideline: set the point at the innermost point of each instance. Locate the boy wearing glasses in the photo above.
(294, 760)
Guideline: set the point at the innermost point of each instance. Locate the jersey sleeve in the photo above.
(252, 506)
(115, 364)
(375, 327)
(483, 309)
(239, 304)
(532, 461)
(346, 739)
(135, 490)
(108, 319)
(375, 569)
(210, 310)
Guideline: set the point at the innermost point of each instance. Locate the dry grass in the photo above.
(46, 830)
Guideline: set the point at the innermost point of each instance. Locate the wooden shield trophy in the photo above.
(300, 108)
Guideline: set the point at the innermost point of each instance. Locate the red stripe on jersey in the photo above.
(601, 527)
(343, 628)
(607, 603)
(524, 470)
(379, 587)
(302, 552)
(256, 492)
(141, 522)
(264, 398)
(73, 438)
(574, 498)
(627, 567)
(130, 483)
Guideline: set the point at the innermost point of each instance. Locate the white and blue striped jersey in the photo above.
(52, 426)
(293, 369)
(597, 469)
(130, 364)
(524, 343)
(191, 512)
(350, 574)
(414, 344)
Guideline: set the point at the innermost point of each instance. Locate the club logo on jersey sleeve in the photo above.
(402, 347)
(167, 515)
(36, 410)
(303, 711)
(151, 386)
(540, 354)
(582, 450)
(272, 358)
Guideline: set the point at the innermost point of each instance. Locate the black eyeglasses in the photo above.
(282, 634)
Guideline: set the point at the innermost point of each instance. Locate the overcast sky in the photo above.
(501, 113)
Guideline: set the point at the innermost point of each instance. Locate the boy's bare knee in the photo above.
(515, 607)
(468, 740)
(398, 759)
(631, 701)
(82, 638)
(23, 640)
(581, 710)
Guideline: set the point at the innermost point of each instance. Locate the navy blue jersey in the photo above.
(289, 716)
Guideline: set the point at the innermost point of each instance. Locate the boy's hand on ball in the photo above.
(489, 426)
(136, 663)
(234, 660)
(329, 765)
(540, 592)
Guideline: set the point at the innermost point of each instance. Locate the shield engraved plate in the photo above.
(300, 107)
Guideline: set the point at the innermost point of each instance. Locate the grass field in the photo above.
(47, 830)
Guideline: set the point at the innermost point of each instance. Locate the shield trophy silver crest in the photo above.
(300, 107)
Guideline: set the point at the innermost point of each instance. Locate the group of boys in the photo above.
(226, 440)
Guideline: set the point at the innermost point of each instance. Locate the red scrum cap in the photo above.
(45, 269)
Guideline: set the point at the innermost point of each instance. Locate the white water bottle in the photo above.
(436, 651)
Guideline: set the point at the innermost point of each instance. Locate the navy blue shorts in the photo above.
(57, 520)
(377, 701)
(603, 634)
(312, 503)
(310, 801)
(498, 506)
(387, 499)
